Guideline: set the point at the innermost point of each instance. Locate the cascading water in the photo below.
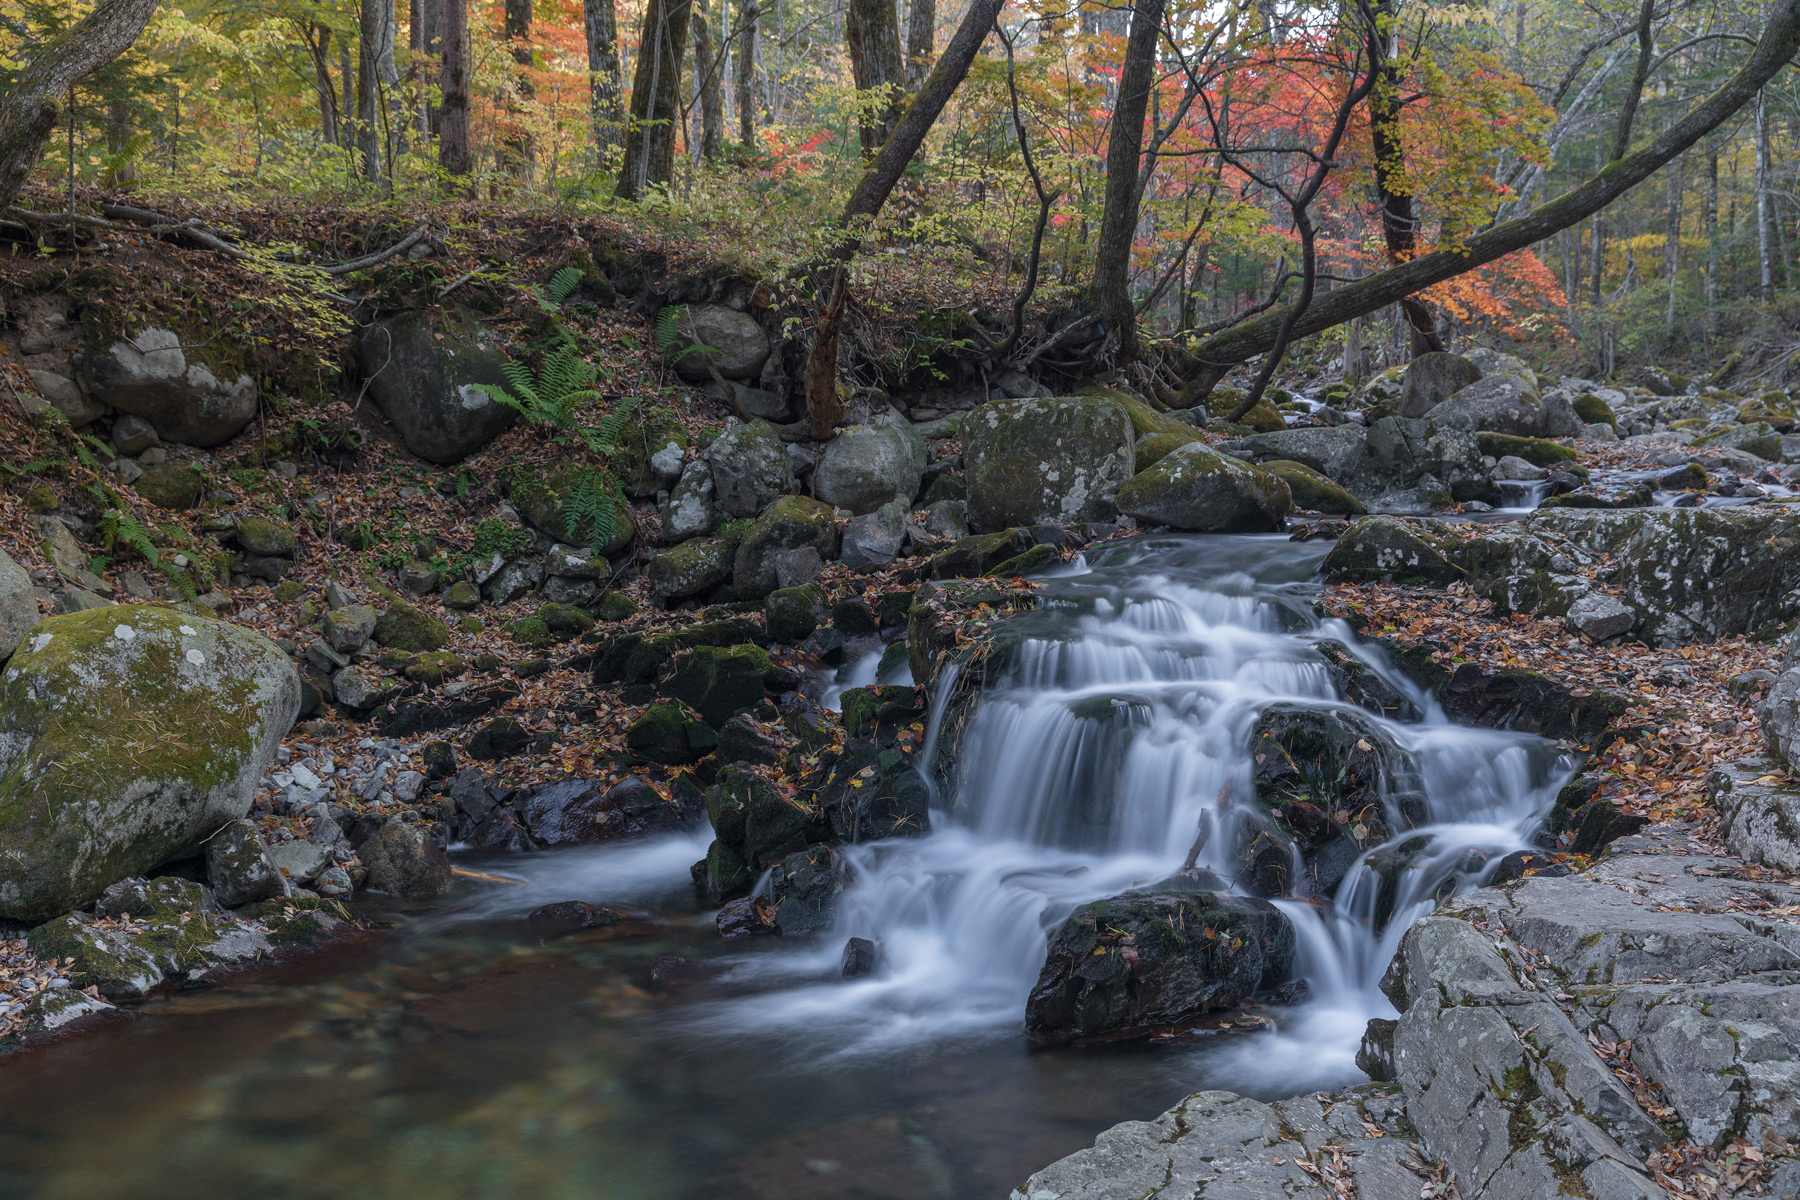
(1116, 736)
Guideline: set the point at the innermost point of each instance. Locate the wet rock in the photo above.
(1599, 823)
(1313, 491)
(582, 812)
(789, 523)
(672, 734)
(404, 860)
(865, 466)
(238, 866)
(980, 554)
(1375, 1054)
(150, 375)
(1197, 488)
(501, 738)
(1036, 461)
(399, 718)
(792, 613)
(722, 339)
(1380, 548)
(804, 887)
(1143, 962)
(873, 540)
(719, 683)
(747, 917)
(741, 740)
(439, 759)
(1523, 863)
(869, 793)
(1432, 378)
(427, 370)
(750, 468)
(881, 711)
(754, 828)
(1600, 617)
(18, 605)
(160, 725)
(569, 916)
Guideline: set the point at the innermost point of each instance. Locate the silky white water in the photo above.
(1090, 766)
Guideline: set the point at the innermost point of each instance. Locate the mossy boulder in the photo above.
(462, 596)
(435, 667)
(1593, 410)
(671, 734)
(720, 682)
(428, 371)
(647, 430)
(1312, 490)
(1539, 452)
(1157, 433)
(1263, 418)
(792, 613)
(1034, 559)
(543, 501)
(615, 606)
(788, 523)
(881, 709)
(1157, 446)
(1378, 548)
(565, 620)
(978, 554)
(171, 486)
(127, 735)
(408, 627)
(1038, 461)
(1759, 439)
(1197, 488)
(260, 535)
(866, 466)
(694, 567)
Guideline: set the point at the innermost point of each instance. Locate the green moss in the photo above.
(167, 485)
(436, 667)
(1034, 559)
(565, 620)
(287, 591)
(1264, 418)
(41, 499)
(407, 627)
(792, 613)
(616, 606)
(1312, 490)
(1539, 452)
(1593, 410)
(469, 624)
(494, 536)
(530, 631)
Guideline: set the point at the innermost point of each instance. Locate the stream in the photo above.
(459, 1056)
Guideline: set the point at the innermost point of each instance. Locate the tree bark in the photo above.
(453, 122)
(655, 99)
(1399, 227)
(605, 88)
(318, 47)
(872, 32)
(374, 70)
(921, 41)
(1118, 221)
(1712, 241)
(31, 108)
(712, 114)
(1765, 241)
(519, 148)
(1779, 41)
(746, 69)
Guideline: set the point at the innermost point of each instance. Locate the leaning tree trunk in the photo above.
(453, 119)
(605, 89)
(655, 100)
(872, 31)
(746, 71)
(31, 108)
(318, 46)
(1118, 221)
(708, 59)
(1780, 39)
(921, 41)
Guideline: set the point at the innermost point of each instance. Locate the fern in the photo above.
(563, 381)
(668, 335)
(121, 530)
(561, 284)
(591, 508)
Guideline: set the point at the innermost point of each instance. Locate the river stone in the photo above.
(1501, 403)
(238, 866)
(158, 725)
(1332, 451)
(805, 887)
(1038, 461)
(1312, 490)
(792, 613)
(132, 435)
(1431, 379)
(1196, 488)
(300, 861)
(1131, 965)
(348, 629)
(690, 511)
(1758, 439)
(871, 793)
(734, 344)
(720, 682)
(109, 960)
(866, 466)
(1379, 548)
(872, 541)
(1600, 616)
(149, 374)
(426, 371)
(170, 486)
(404, 860)
(790, 523)
(1514, 468)
(18, 605)
(581, 812)
(260, 535)
(750, 468)
(690, 569)
(410, 628)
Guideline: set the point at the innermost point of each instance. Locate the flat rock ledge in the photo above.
(1628, 1033)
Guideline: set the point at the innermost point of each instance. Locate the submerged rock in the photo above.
(1148, 961)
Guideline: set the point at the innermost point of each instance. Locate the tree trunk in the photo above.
(1672, 245)
(375, 69)
(605, 88)
(655, 99)
(746, 68)
(318, 46)
(707, 65)
(1780, 39)
(1765, 241)
(872, 32)
(1118, 222)
(1399, 227)
(453, 121)
(518, 141)
(1712, 241)
(426, 39)
(921, 41)
(31, 108)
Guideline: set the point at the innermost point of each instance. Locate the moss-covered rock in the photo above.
(671, 734)
(260, 535)
(127, 734)
(1157, 433)
(788, 523)
(792, 613)
(945, 487)
(435, 667)
(543, 498)
(1771, 408)
(109, 960)
(1539, 452)
(694, 567)
(531, 632)
(462, 596)
(1593, 410)
(1046, 461)
(408, 627)
(648, 430)
(171, 486)
(1312, 490)
(1034, 559)
(565, 620)
(1759, 439)
(1377, 548)
(1197, 488)
(615, 606)
(881, 709)
(720, 682)
(978, 554)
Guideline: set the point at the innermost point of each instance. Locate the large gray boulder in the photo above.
(1046, 461)
(1197, 488)
(866, 466)
(239, 868)
(1333, 452)
(872, 540)
(127, 735)
(1496, 404)
(1433, 378)
(790, 523)
(736, 345)
(1399, 452)
(18, 605)
(404, 860)
(151, 375)
(750, 468)
(426, 370)
(690, 511)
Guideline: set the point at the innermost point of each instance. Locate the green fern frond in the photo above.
(668, 336)
(604, 437)
(590, 510)
(119, 529)
(561, 284)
